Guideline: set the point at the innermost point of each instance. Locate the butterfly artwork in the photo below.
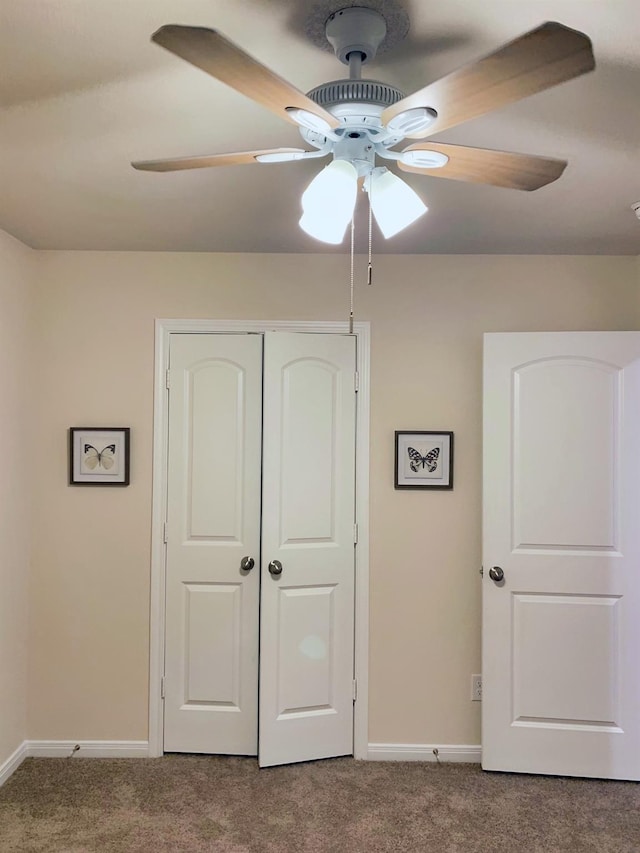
(99, 456)
(428, 461)
(94, 458)
(423, 459)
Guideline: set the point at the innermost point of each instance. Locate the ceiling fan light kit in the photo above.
(356, 121)
(393, 203)
(329, 201)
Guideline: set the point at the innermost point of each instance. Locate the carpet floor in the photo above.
(198, 803)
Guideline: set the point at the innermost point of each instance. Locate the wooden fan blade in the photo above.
(237, 158)
(483, 166)
(225, 61)
(542, 58)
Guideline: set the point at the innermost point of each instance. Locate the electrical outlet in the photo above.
(476, 688)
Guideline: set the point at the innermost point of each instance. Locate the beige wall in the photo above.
(16, 292)
(90, 582)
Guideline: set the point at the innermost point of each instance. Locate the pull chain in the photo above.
(369, 265)
(353, 231)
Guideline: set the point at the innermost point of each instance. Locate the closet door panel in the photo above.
(213, 512)
(307, 598)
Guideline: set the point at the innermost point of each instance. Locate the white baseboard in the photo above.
(469, 754)
(140, 749)
(13, 762)
(65, 749)
(88, 748)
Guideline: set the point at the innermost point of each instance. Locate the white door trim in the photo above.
(163, 330)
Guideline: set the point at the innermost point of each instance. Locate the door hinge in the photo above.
(164, 533)
(355, 533)
(162, 687)
(356, 381)
(355, 689)
(168, 379)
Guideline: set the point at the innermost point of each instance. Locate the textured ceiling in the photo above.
(83, 92)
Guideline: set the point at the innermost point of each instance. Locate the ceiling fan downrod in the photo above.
(355, 65)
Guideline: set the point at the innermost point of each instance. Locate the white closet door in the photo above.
(307, 609)
(561, 629)
(211, 646)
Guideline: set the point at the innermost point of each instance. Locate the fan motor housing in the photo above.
(358, 105)
(339, 92)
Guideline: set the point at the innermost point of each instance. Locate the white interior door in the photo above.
(213, 522)
(561, 632)
(307, 599)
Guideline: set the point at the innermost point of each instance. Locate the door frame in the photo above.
(163, 331)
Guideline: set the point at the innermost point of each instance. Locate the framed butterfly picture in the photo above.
(99, 456)
(423, 460)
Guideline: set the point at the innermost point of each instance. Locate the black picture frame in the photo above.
(99, 456)
(423, 459)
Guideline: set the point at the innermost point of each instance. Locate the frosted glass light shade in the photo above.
(323, 227)
(329, 201)
(394, 204)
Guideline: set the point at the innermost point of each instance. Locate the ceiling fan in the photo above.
(358, 120)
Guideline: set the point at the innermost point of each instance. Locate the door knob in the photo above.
(496, 574)
(247, 563)
(275, 567)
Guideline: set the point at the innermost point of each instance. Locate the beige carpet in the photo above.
(197, 803)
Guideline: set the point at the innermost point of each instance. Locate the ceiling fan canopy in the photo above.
(358, 121)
